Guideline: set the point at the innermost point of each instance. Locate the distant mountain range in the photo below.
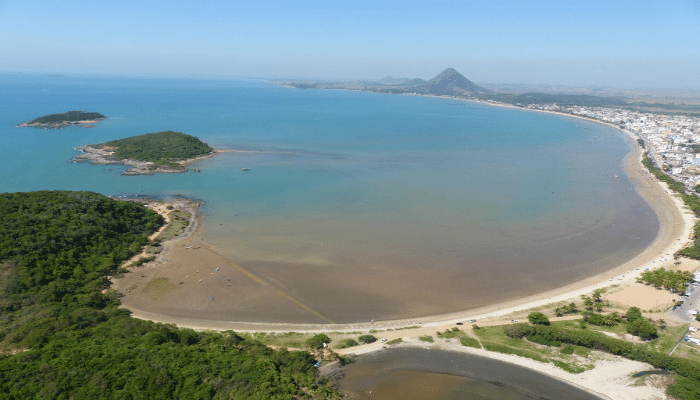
(447, 82)
(453, 84)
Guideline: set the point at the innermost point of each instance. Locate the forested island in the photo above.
(166, 151)
(62, 334)
(55, 121)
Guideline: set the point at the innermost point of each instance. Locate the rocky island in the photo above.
(166, 151)
(55, 121)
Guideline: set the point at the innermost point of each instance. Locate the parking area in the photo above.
(690, 306)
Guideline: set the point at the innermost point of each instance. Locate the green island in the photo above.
(166, 151)
(62, 334)
(67, 118)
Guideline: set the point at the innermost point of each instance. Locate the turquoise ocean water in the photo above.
(393, 206)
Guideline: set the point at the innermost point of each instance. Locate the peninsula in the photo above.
(166, 151)
(55, 121)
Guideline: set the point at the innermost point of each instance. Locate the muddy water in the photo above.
(418, 374)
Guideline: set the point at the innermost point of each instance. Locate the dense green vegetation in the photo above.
(688, 370)
(62, 337)
(162, 148)
(70, 116)
(676, 281)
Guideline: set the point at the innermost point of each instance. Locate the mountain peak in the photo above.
(450, 81)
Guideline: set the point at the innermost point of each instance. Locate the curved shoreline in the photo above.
(675, 226)
(609, 379)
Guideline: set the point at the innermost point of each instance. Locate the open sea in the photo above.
(363, 206)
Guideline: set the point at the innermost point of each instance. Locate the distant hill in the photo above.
(393, 81)
(446, 82)
(417, 82)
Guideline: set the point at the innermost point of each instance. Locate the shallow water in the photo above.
(417, 374)
(358, 205)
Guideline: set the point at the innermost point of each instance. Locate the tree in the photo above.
(597, 295)
(643, 328)
(633, 314)
(538, 318)
(316, 342)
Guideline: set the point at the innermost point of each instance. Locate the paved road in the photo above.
(682, 312)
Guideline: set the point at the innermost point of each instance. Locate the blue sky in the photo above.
(607, 43)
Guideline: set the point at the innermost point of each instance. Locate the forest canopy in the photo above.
(62, 334)
(161, 148)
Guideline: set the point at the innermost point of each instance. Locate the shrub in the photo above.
(642, 328)
(517, 331)
(633, 314)
(538, 318)
(317, 341)
(349, 342)
(567, 349)
(539, 339)
(426, 338)
(367, 339)
(594, 318)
